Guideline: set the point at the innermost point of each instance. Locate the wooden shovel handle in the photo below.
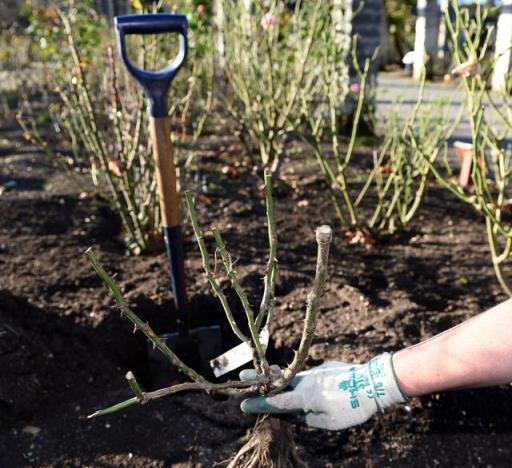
(165, 170)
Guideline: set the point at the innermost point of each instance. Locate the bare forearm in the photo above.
(476, 353)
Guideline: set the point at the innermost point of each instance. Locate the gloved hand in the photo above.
(335, 395)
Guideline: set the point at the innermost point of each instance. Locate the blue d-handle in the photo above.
(155, 83)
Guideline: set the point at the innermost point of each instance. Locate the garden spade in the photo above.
(200, 343)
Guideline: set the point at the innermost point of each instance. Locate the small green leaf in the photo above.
(137, 5)
(43, 118)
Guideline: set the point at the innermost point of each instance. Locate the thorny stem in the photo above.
(358, 112)
(134, 385)
(87, 112)
(338, 181)
(209, 274)
(126, 184)
(229, 388)
(454, 188)
(495, 258)
(302, 66)
(377, 163)
(419, 101)
(420, 191)
(411, 211)
(489, 198)
(323, 239)
(265, 91)
(325, 167)
(228, 265)
(268, 299)
(33, 135)
(503, 118)
(342, 165)
(232, 388)
(139, 324)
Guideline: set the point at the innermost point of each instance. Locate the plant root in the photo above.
(271, 445)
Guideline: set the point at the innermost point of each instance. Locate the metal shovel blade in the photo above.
(204, 342)
(207, 339)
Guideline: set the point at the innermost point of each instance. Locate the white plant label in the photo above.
(236, 357)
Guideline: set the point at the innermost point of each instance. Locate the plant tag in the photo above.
(236, 357)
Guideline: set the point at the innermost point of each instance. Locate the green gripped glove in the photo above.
(335, 395)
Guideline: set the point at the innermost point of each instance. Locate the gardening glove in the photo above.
(335, 395)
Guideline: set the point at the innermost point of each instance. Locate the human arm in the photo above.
(476, 353)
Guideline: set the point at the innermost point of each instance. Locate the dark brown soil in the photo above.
(64, 349)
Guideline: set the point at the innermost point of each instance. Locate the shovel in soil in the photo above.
(196, 346)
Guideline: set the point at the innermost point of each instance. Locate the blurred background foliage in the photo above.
(401, 18)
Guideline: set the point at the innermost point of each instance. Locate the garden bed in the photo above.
(64, 348)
